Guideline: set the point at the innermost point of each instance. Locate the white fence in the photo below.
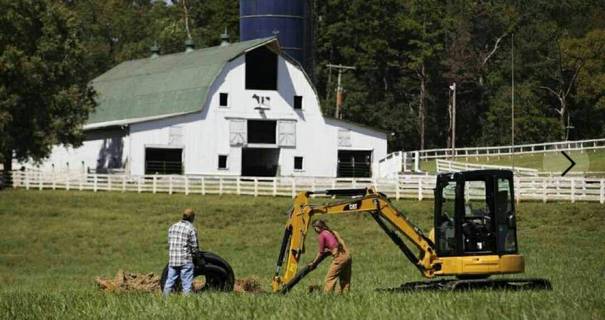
(454, 166)
(411, 159)
(405, 187)
(579, 145)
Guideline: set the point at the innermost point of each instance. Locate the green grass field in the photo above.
(593, 160)
(53, 245)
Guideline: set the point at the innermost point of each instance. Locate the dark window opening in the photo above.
(163, 161)
(298, 163)
(261, 131)
(258, 162)
(445, 226)
(223, 97)
(297, 102)
(222, 162)
(261, 69)
(354, 164)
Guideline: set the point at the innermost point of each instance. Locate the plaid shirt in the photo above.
(182, 241)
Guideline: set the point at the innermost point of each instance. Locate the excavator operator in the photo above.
(331, 243)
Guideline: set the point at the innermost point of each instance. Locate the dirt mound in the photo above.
(148, 282)
(129, 281)
(250, 285)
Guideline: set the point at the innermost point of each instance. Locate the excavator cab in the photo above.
(475, 214)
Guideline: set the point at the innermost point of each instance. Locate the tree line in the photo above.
(407, 54)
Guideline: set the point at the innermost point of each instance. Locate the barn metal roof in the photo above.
(158, 87)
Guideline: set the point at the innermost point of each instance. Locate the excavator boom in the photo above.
(366, 201)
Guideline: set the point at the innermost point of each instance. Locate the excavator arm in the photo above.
(367, 201)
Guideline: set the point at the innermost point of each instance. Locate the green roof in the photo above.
(159, 87)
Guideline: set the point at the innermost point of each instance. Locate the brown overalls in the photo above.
(340, 268)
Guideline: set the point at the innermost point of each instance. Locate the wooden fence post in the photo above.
(170, 184)
(518, 188)
(293, 188)
(139, 184)
(544, 190)
(419, 189)
(94, 183)
(123, 183)
(82, 177)
(27, 180)
(238, 186)
(602, 197)
(220, 186)
(397, 188)
(573, 190)
(108, 182)
(203, 186)
(274, 187)
(67, 182)
(186, 185)
(154, 185)
(256, 187)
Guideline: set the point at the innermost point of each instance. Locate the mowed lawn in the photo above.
(54, 243)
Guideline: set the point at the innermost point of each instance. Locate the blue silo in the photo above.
(289, 19)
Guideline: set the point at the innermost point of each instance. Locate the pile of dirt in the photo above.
(129, 281)
(148, 282)
(248, 285)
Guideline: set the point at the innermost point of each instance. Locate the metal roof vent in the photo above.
(189, 45)
(155, 50)
(225, 38)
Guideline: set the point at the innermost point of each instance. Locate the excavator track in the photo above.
(512, 284)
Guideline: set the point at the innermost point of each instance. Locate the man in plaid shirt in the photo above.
(182, 241)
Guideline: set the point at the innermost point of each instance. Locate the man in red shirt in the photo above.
(331, 243)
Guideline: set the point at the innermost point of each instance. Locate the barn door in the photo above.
(287, 133)
(237, 132)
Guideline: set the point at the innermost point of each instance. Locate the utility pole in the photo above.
(512, 100)
(453, 118)
(339, 97)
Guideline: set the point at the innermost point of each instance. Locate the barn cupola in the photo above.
(155, 50)
(189, 45)
(225, 38)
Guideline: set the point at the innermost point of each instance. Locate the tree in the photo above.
(44, 94)
(425, 47)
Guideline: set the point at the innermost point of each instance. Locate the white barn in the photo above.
(238, 109)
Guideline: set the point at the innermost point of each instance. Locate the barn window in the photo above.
(223, 99)
(163, 161)
(261, 69)
(222, 162)
(297, 102)
(261, 131)
(298, 163)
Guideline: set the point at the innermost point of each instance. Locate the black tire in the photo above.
(218, 273)
(228, 275)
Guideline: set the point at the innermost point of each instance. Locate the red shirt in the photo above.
(327, 241)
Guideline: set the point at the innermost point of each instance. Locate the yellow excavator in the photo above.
(474, 234)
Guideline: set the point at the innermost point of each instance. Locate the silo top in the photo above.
(271, 8)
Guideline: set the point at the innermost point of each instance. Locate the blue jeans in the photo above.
(186, 274)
